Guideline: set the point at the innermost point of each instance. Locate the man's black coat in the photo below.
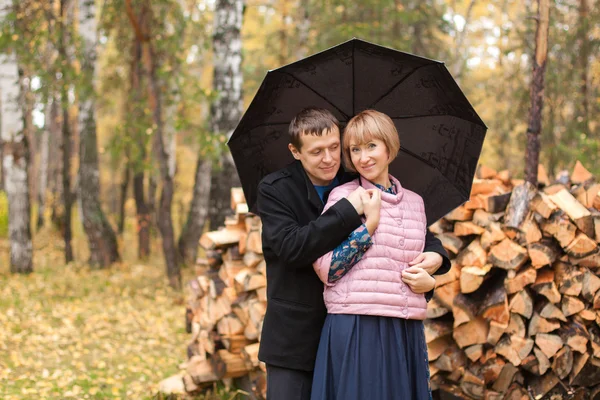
(294, 235)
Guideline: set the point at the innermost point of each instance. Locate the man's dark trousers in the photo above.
(288, 384)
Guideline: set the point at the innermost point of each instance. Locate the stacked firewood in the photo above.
(226, 304)
(518, 315)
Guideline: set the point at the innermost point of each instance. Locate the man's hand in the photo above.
(355, 198)
(372, 207)
(429, 261)
(418, 280)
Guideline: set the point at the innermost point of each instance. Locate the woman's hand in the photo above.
(418, 280)
(372, 207)
(429, 261)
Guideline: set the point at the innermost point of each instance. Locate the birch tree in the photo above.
(101, 237)
(15, 150)
(226, 110)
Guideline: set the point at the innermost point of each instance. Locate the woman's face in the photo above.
(371, 160)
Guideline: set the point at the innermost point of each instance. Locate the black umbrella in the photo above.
(441, 135)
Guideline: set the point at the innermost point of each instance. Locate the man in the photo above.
(295, 234)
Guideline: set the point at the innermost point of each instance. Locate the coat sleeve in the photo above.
(299, 246)
(435, 245)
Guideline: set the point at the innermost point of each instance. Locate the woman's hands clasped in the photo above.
(418, 280)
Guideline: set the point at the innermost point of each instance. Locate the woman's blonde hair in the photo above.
(366, 126)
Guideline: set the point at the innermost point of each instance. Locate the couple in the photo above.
(366, 238)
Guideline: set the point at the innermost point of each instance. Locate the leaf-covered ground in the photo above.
(68, 332)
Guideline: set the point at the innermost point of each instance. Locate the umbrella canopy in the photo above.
(441, 135)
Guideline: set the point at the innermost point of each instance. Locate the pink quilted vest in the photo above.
(374, 286)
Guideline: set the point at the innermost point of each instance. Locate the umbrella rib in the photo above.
(398, 84)
(315, 92)
(434, 115)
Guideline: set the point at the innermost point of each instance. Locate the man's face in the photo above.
(320, 156)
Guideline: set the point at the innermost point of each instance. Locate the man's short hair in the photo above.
(366, 126)
(311, 121)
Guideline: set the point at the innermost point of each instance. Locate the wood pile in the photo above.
(518, 315)
(226, 304)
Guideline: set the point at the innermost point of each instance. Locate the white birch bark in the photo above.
(15, 159)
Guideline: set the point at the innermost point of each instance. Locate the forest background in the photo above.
(114, 120)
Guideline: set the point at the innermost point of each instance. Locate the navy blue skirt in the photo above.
(364, 357)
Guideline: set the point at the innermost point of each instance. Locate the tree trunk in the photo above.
(55, 167)
(532, 154)
(15, 150)
(101, 237)
(226, 111)
(584, 53)
(50, 117)
(194, 226)
(303, 29)
(165, 222)
(143, 216)
(123, 198)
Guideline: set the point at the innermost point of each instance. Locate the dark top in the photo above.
(294, 235)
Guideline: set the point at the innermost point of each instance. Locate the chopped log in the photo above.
(485, 219)
(543, 253)
(250, 354)
(544, 285)
(550, 311)
(514, 349)
(491, 395)
(491, 369)
(473, 332)
(505, 379)
(587, 316)
(466, 228)
(548, 343)
(474, 352)
(518, 208)
(237, 197)
(435, 309)
(569, 278)
(473, 255)
(504, 176)
(589, 261)
(230, 325)
(200, 371)
(542, 176)
(496, 330)
(575, 210)
(571, 305)
(449, 277)
(516, 326)
(452, 359)
(228, 365)
(220, 239)
(575, 335)
(476, 202)
(560, 226)
(587, 199)
(581, 246)
(441, 226)
(538, 324)
(464, 309)
(459, 214)
(594, 332)
(536, 363)
(586, 370)
(471, 278)
(540, 386)
(436, 328)
(495, 305)
(445, 294)
(248, 279)
(522, 303)
(542, 204)
(532, 231)
(492, 235)
(252, 259)
(580, 174)
(451, 242)
(563, 362)
(254, 242)
(522, 279)
(495, 203)
(485, 186)
(557, 187)
(508, 255)
(472, 385)
(436, 347)
(235, 344)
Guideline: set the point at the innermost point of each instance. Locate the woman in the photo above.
(373, 344)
